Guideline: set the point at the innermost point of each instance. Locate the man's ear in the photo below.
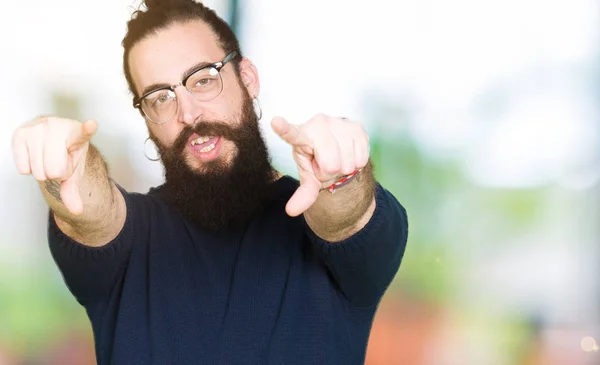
(249, 76)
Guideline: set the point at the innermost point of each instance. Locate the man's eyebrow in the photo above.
(195, 68)
(155, 87)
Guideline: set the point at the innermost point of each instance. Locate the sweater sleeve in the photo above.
(365, 264)
(90, 272)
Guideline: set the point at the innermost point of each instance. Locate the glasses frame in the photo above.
(218, 66)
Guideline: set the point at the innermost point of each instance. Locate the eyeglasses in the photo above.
(159, 105)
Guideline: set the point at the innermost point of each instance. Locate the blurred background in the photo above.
(484, 123)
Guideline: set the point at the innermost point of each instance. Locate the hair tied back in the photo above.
(161, 4)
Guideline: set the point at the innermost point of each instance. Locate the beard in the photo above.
(223, 195)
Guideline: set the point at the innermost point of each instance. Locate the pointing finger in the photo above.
(81, 135)
(290, 133)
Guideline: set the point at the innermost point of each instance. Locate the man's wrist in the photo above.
(342, 181)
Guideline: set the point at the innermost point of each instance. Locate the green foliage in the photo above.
(35, 308)
(450, 217)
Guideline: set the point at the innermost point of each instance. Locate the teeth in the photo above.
(208, 148)
(200, 140)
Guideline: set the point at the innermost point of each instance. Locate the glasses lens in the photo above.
(205, 84)
(160, 106)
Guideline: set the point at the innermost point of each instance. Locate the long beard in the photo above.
(223, 195)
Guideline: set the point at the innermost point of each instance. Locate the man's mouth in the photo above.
(204, 143)
(206, 148)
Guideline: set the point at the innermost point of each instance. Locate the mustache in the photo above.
(236, 134)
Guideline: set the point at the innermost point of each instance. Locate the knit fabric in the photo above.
(271, 292)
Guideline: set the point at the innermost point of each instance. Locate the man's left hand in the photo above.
(325, 149)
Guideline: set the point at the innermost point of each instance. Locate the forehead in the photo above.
(164, 56)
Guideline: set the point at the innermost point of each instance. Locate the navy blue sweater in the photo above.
(164, 292)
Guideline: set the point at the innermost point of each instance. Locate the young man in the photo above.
(227, 262)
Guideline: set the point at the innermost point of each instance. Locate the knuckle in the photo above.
(54, 171)
(336, 124)
(54, 122)
(320, 118)
(34, 137)
(347, 170)
(331, 167)
(36, 128)
(43, 121)
(308, 129)
(348, 166)
(19, 136)
(21, 165)
(40, 119)
(39, 176)
(51, 121)
(52, 176)
(361, 161)
(58, 123)
(358, 128)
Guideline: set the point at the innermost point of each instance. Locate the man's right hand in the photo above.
(54, 151)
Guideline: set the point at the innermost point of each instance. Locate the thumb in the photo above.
(82, 133)
(69, 193)
(304, 197)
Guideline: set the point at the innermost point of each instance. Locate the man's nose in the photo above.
(189, 110)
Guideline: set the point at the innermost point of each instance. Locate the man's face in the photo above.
(229, 183)
(164, 58)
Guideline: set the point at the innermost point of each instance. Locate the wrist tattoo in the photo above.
(53, 188)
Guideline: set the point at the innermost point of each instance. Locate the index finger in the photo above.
(81, 135)
(290, 133)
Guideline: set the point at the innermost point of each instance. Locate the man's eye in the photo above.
(203, 82)
(161, 98)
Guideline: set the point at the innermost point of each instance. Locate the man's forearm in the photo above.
(335, 217)
(99, 197)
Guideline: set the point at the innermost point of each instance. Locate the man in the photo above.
(227, 262)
